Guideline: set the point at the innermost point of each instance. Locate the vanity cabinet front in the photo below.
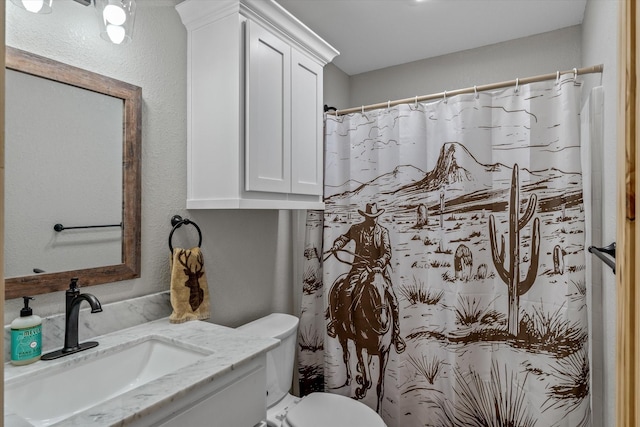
(255, 131)
(235, 400)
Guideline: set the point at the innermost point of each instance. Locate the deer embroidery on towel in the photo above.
(196, 294)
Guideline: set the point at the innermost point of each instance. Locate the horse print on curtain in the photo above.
(445, 281)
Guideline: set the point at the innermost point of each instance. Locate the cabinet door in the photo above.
(307, 128)
(240, 403)
(268, 112)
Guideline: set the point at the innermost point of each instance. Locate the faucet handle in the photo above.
(73, 285)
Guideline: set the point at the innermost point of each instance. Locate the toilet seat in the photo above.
(333, 410)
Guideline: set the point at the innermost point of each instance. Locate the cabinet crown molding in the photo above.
(195, 13)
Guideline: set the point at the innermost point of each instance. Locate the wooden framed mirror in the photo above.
(127, 265)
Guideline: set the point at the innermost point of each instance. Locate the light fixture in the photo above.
(34, 6)
(116, 16)
(116, 19)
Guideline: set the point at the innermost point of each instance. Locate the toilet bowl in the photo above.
(314, 410)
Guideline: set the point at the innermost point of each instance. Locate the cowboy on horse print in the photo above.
(372, 252)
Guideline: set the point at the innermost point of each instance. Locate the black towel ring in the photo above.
(177, 222)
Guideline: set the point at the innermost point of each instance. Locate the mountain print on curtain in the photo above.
(481, 198)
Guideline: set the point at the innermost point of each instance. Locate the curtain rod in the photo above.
(526, 80)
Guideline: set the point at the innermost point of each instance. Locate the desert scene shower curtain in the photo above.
(444, 283)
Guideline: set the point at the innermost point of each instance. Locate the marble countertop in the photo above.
(229, 349)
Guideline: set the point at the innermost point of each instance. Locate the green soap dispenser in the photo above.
(26, 336)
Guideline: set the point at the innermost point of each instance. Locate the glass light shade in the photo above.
(114, 15)
(34, 6)
(116, 33)
(116, 19)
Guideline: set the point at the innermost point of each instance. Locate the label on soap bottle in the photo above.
(26, 343)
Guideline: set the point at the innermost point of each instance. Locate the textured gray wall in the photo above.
(155, 61)
(336, 87)
(525, 57)
(240, 248)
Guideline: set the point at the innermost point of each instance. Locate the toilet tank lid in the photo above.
(275, 325)
(326, 409)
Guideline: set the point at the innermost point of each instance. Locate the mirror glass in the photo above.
(72, 148)
(63, 166)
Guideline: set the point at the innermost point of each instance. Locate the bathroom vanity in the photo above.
(157, 373)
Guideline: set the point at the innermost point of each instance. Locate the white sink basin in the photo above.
(53, 394)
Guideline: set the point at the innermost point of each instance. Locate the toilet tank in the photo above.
(279, 360)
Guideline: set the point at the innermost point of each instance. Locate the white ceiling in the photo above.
(374, 34)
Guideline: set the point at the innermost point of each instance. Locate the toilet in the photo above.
(314, 410)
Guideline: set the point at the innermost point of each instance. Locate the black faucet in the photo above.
(73, 299)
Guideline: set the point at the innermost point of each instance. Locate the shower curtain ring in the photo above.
(475, 91)
(517, 84)
(557, 78)
(363, 109)
(575, 75)
(445, 97)
(388, 104)
(416, 104)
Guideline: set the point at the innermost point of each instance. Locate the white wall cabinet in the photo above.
(255, 131)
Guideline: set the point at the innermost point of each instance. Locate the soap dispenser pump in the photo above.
(26, 336)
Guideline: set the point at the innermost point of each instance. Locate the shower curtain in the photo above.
(444, 284)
